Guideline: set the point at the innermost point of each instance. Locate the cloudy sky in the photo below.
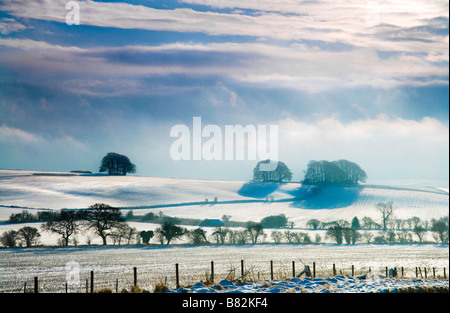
(366, 81)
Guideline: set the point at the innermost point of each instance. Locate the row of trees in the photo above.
(341, 172)
(388, 221)
(351, 236)
(107, 222)
(104, 220)
(367, 223)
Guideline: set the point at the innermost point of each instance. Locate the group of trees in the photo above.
(220, 235)
(401, 231)
(102, 219)
(280, 174)
(116, 164)
(108, 223)
(28, 217)
(28, 236)
(341, 172)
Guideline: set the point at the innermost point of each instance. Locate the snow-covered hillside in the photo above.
(244, 201)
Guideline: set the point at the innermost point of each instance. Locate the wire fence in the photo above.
(75, 279)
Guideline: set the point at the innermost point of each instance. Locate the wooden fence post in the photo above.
(92, 281)
(293, 268)
(353, 270)
(24, 287)
(425, 270)
(177, 277)
(334, 269)
(135, 276)
(445, 275)
(36, 285)
(212, 272)
(242, 267)
(271, 270)
(314, 269)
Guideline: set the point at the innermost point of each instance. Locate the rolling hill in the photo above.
(191, 198)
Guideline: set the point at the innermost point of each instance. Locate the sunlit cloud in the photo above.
(383, 145)
(361, 80)
(12, 134)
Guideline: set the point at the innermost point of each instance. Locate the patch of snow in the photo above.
(337, 284)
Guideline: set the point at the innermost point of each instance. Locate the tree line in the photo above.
(103, 220)
(108, 223)
(340, 231)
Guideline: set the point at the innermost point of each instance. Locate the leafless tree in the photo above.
(65, 224)
(104, 220)
(30, 235)
(386, 209)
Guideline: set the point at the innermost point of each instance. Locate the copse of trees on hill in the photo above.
(280, 174)
(116, 164)
(340, 172)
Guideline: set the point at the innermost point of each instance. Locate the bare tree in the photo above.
(386, 209)
(290, 236)
(30, 235)
(197, 236)
(220, 234)
(226, 219)
(65, 224)
(241, 237)
(368, 223)
(254, 230)
(170, 231)
(104, 220)
(336, 233)
(420, 232)
(367, 236)
(9, 238)
(276, 236)
(350, 235)
(313, 223)
(440, 229)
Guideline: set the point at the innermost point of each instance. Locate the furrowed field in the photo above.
(57, 266)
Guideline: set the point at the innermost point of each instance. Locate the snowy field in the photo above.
(336, 284)
(56, 266)
(242, 200)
